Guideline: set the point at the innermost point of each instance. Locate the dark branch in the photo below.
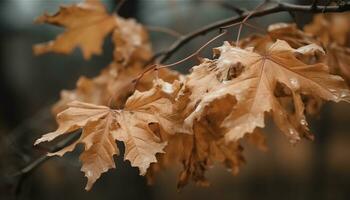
(40, 160)
(60, 145)
(278, 7)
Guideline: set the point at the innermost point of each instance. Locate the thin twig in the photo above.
(119, 5)
(195, 53)
(165, 30)
(149, 65)
(155, 66)
(136, 80)
(246, 19)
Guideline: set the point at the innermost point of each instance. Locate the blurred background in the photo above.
(29, 85)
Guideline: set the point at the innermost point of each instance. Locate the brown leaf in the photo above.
(87, 24)
(98, 123)
(254, 88)
(102, 126)
(296, 38)
(142, 109)
(279, 65)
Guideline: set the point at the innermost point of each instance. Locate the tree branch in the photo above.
(278, 7)
(60, 145)
(24, 172)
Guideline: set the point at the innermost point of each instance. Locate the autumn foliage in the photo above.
(164, 118)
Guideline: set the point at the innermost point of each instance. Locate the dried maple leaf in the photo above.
(334, 33)
(101, 126)
(254, 89)
(98, 123)
(227, 70)
(262, 74)
(87, 24)
(296, 38)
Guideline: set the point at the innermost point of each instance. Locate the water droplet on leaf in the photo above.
(295, 83)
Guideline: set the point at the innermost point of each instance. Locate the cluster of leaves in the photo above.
(198, 119)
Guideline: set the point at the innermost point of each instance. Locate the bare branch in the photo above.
(24, 172)
(278, 7)
(60, 145)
